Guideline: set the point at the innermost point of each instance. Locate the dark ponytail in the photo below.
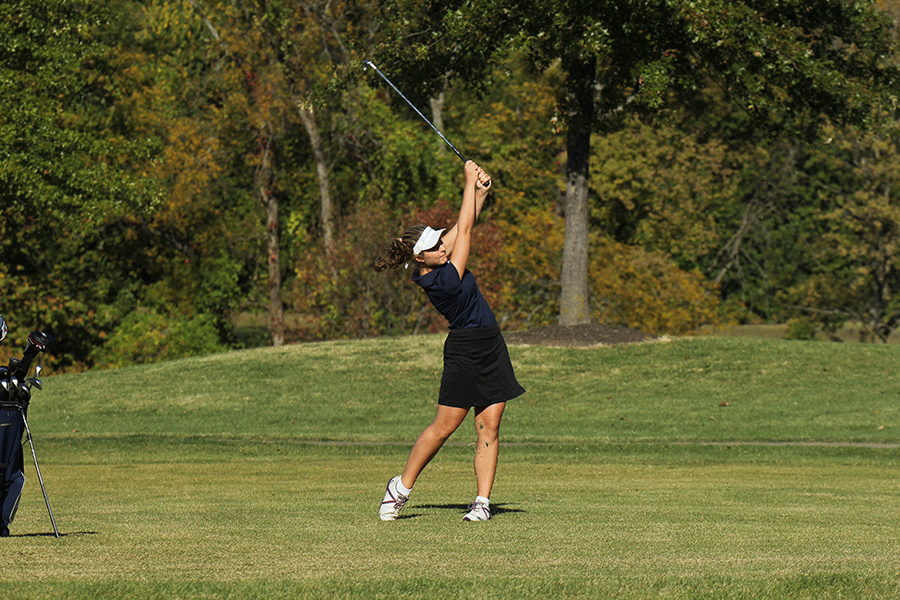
(400, 250)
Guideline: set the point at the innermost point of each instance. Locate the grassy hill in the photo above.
(695, 389)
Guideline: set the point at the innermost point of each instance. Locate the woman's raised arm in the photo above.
(458, 240)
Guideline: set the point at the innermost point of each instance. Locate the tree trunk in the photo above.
(574, 303)
(446, 178)
(437, 117)
(326, 207)
(273, 239)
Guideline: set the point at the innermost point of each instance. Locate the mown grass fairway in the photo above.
(630, 472)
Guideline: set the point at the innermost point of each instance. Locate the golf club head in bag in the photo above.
(38, 342)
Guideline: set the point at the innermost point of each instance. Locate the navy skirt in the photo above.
(477, 369)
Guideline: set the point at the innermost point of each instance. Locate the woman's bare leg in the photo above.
(487, 448)
(448, 420)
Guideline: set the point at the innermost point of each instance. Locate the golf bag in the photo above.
(12, 463)
(15, 395)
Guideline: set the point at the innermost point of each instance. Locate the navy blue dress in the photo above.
(477, 367)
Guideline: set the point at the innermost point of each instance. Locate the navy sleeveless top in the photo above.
(459, 300)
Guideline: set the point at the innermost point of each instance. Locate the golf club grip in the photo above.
(22, 367)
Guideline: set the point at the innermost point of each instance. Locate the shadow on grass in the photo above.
(496, 509)
(51, 534)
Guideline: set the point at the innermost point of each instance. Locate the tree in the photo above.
(785, 63)
(663, 189)
(248, 56)
(855, 273)
(65, 168)
(54, 157)
(249, 103)
(206, 236)
(288, 50)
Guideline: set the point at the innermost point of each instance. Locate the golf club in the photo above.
(38, 469)
(369, 63)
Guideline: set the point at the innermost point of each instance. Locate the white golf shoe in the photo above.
(393, 501)
(478, 511)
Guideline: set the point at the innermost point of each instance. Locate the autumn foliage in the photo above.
(343, 297)
(172, 167)
(517, 267)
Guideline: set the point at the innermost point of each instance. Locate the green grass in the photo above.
(687, 469)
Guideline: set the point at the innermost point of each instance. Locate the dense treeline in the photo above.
(170, 167)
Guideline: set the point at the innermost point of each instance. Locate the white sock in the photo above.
(402, 489)
(483, 500)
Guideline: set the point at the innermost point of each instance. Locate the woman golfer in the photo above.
(477, 371)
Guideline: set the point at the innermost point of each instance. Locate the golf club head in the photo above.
(34, 381)
(40, 341)
(37, 371)
(3, 328)
(368, 63)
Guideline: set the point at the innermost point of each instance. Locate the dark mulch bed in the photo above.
(577, 335)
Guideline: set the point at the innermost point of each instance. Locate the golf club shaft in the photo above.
(38, 469)
(369, 63)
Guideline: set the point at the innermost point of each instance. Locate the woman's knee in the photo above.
(447, 421)
(487, 420)
(440, 431)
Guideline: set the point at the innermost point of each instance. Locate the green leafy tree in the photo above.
(55, 158)
(65, 169)
(286, 52)
(661, 188)
(785, 63)
(192, 257)
(855, 275)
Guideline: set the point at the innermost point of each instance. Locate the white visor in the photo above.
(427, 240)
